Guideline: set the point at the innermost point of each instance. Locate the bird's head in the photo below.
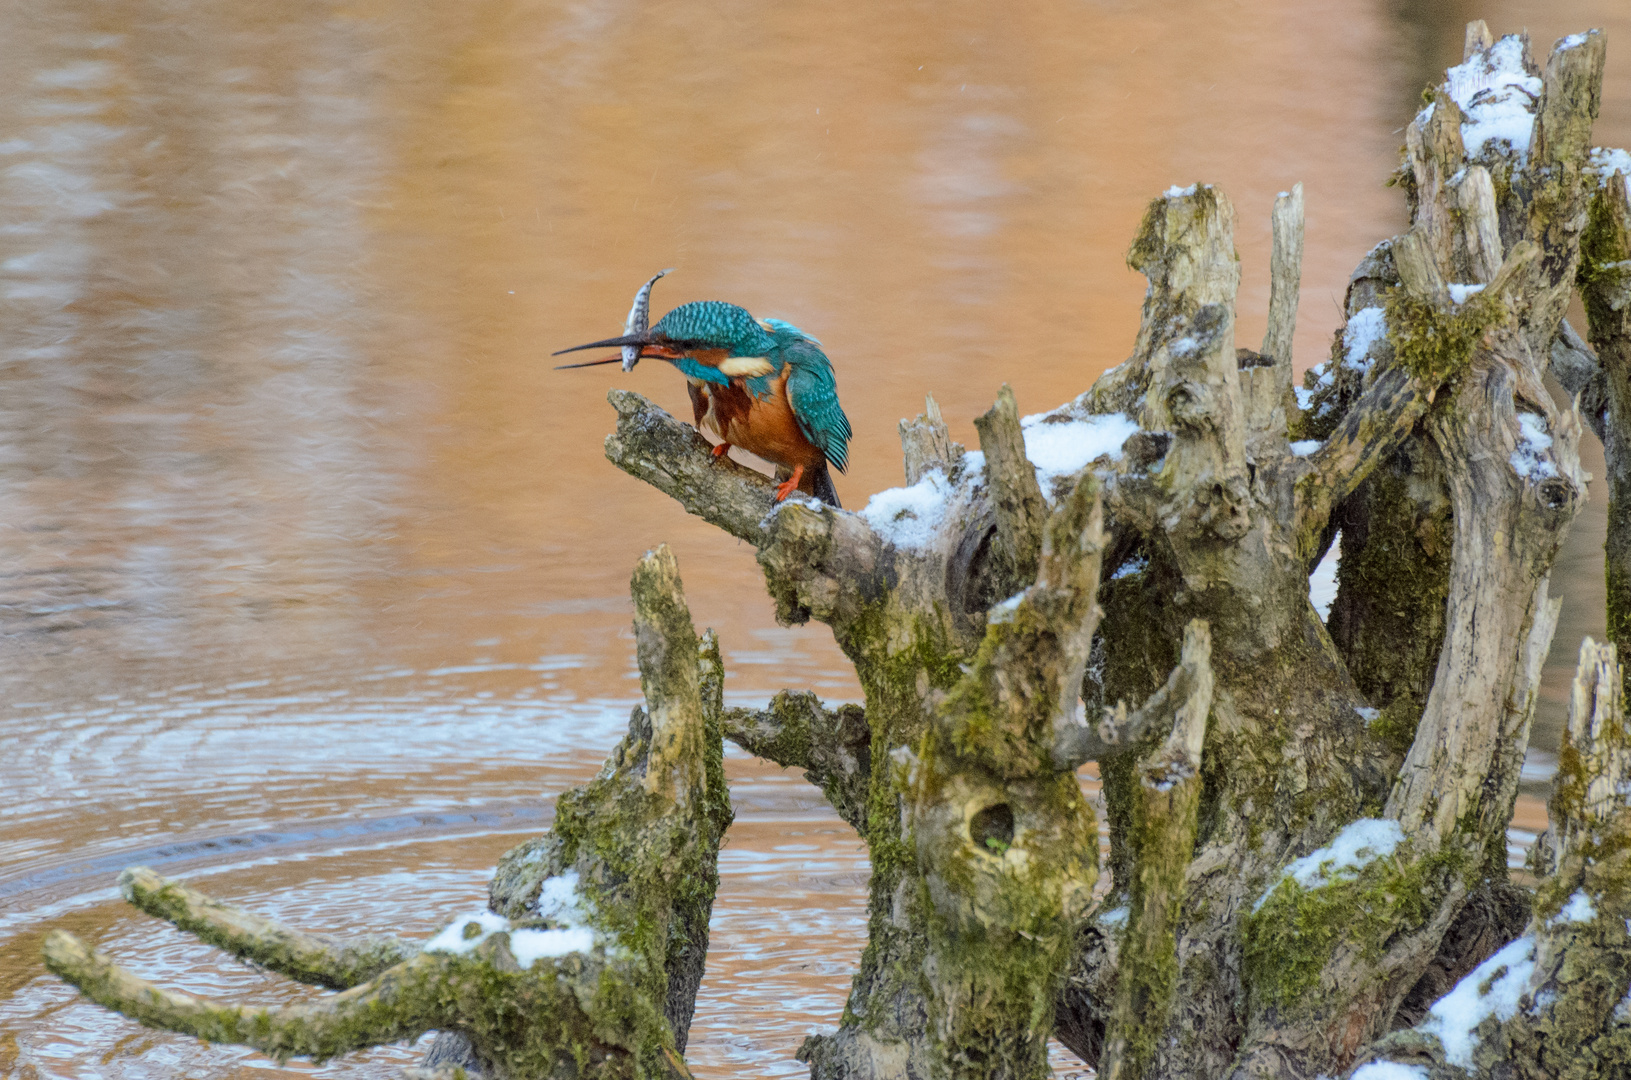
(700, 326)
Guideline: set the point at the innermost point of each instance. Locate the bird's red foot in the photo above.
(722, 449)
(791, 484)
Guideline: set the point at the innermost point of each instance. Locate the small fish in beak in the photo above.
(636, 332)
(639, 320)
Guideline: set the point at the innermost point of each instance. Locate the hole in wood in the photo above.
(992, 829)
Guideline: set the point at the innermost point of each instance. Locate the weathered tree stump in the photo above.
(1343, 855)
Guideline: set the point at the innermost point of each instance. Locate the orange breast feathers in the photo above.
(762, 426)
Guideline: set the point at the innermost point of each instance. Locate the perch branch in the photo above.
(675, 459)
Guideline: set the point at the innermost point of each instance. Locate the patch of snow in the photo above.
(1389, 1070)
(1004, 611)
(1622, 1011)
(452, 939)
(1497, 96)
(1607, 161)
(1364, 329)
(1129, 568)
(1360, 843)
(1578, 909)
(1323, 375)
(1573, 41)
(529, 945)
(1184, 346)
(1322, 583)
(1062, 449)
(909, 517)
(1305, 397)
(1493, 988)
(1304, 447)
(558, 899)
(1533, 441)
(1176, 192)
(1367, 714)
(1459, 293)
(1058, 444)
(1115, 916)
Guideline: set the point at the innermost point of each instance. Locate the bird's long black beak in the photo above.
(626, 339)
(615, 359)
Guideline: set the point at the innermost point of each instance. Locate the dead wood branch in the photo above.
(316, 959)
(832, 746)
(1164, 836)
(1003, 839)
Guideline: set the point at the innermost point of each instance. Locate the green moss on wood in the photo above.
(1435, 345)
(1164, 835)
(1297, 931)
(1394, 582)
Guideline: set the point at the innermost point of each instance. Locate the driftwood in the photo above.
(589, 954)
(1307, 873)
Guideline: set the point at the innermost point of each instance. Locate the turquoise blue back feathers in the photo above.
(812, 390)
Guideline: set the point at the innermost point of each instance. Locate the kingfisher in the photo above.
(761, 384)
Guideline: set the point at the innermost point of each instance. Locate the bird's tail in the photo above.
(822, 481)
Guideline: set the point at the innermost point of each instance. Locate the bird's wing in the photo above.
(813, 393)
